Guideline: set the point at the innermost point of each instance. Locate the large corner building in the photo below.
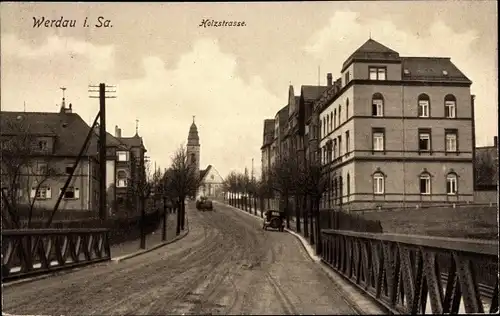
(391, 131)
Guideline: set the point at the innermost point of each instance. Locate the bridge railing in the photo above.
(410, 274)
(28, 252)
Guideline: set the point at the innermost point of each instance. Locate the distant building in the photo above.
(486, 173)
(211, 183)
(45, 146)
(268, 138)
(399, 131)
(125, 168)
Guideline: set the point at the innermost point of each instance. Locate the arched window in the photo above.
(377, 105)
(425, 183)
(347, 109)
(328, 124)
(378, 183)
(121, 179)
(193, 158)
(451, 183)
(324, 126)
(424, 105)
(340, 116)
(450, 106)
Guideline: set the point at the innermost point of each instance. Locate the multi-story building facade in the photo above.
(399, 131)
(267, 142)
(125, 168)
(39, 150)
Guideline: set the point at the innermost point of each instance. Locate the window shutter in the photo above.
(49, 193)
(77, 193)
(33, 192)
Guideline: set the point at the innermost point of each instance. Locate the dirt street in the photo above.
(226, 265)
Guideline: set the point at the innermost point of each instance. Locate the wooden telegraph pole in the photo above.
(102, 144)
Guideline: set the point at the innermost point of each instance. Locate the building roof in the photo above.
(431, 68)
(193, 138)
(204, 172)
(372, 50)
(311, 93)
(69, 129)
(134, 141)
(268, 132)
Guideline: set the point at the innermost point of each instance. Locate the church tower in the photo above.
(193, 148)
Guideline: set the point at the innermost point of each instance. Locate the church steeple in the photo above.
(193, 138)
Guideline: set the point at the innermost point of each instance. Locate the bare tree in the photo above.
(231, 184)
(316, 184)
(141, 185)
(26, 165)
(282, 180)
(183, 181)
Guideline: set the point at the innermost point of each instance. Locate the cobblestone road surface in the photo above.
(226, 265)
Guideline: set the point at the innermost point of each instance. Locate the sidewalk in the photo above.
(152, 240)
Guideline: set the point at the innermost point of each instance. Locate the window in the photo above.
(334, 117)
(425, 184)
(451, 140)
(347, 78)
(347, 139)
(334, 148)
(340, 145)
(42, 169)
(42, 145)
(451, 184)
(212, 177)
(43, 193)
(340, 116)
(69, 169)
(122, 155)
(328, 123)
(193, 158)
(331, 121)
(348, 184)
(377, 73)
(377, 105)
(424, 140)
(378, 183)
(324, 127)
(347, 109)
(121, 179)
(423, 105)
(450, 106)
(71, 193)
(378, 139)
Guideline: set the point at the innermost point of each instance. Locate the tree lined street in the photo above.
(226, 265)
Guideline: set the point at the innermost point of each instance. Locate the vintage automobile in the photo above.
(274, 219)
(204, 204)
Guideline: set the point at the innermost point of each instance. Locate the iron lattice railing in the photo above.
(410, 274)
(28, 252)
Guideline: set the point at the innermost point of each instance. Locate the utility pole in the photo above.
(102, 144)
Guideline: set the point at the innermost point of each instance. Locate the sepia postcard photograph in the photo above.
(249, 158)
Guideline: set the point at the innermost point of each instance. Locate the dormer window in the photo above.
(406, 72)
(445, 73)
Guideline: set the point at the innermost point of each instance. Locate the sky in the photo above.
(167, 68)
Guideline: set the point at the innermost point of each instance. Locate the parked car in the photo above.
(204, 204)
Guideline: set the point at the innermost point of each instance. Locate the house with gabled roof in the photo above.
(42, 147)
(211, 183)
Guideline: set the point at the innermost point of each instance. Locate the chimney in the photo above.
(116, 130)
(70, 109)
(119, 133)
(329, 79)
(495, 141)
